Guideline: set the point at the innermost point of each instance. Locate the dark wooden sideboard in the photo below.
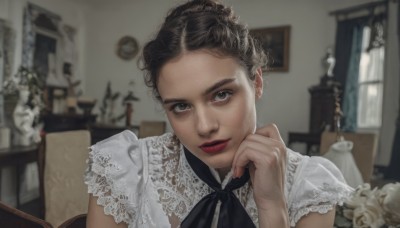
(322, 113)
(67, 122)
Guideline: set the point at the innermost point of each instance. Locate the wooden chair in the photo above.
(151, 128)
(78, 221)
(65, 193)
(13, 218)
(364, 149)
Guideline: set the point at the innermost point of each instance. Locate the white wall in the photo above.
(107, 23)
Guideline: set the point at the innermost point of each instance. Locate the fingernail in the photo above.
(235, 173)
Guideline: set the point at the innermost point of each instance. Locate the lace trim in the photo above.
(322, 201)
(176, 182)
(111, 195)
(322, 209)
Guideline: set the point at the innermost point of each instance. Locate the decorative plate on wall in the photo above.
(127, 48)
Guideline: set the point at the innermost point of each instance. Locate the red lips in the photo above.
(214, 146)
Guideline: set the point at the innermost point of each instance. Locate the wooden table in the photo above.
(18, 157)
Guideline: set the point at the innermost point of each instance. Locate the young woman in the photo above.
(217, 169)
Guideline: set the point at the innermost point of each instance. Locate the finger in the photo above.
(268, 144)
(251, 152)
(259, 143)
(244, 160)
(272, 162)
(252, 138)
(271, 131)
(252, 156)
(249, 142)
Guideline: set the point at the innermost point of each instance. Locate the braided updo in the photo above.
(200, 24)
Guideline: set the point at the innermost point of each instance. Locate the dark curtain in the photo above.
(344, 39)
(349, 35)
(393, 171)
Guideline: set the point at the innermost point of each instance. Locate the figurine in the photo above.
(24, 120)
(29, 87)
(329, 62)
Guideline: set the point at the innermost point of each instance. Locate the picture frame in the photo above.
(276, 43)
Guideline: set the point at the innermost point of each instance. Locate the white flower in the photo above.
(368, 214)
(360, 196)
(374, 208)
(389, 199)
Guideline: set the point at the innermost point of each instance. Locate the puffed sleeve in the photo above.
(113, 165)
(318, 186)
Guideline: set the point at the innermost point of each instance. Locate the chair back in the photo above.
(65, 162)
(78, 221)
(12, 217)
(364, 149)
(151, 128)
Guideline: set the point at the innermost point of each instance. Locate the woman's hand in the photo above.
(265, 154)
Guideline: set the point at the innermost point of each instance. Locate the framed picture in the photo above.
(275, 42)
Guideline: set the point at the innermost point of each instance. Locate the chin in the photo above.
(221, 160)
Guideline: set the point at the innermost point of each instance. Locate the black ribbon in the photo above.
(232, 214)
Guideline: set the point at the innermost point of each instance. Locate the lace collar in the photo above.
(178, 186)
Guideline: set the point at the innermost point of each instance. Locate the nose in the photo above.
(206, 122)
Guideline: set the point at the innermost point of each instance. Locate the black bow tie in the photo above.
(232, 214)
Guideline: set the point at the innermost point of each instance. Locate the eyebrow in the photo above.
(218, 85)
(209, 90)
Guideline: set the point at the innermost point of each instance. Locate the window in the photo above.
(370, 80)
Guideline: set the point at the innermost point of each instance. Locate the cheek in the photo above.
(242, 115)
(181, 128)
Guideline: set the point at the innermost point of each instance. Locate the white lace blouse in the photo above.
(149, 183)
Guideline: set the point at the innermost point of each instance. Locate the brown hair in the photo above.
(201, 24)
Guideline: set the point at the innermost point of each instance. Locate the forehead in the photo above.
(197, 70)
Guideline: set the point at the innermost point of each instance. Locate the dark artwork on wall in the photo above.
(275, 42)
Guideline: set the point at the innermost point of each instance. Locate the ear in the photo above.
(258, 83)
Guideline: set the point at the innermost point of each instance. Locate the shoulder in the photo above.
(117, 173)
(127, 145)
(316, 185)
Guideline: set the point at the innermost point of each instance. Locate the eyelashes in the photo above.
(220, 97)
(179, 107)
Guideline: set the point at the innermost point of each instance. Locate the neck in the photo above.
(222, 172)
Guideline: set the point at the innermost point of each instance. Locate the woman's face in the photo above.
(210, 104)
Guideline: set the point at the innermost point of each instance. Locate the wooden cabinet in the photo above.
(67, 122)
(322, 114)
(322, 109)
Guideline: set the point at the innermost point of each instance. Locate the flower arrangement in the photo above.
(374, 208)
(26, 78)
